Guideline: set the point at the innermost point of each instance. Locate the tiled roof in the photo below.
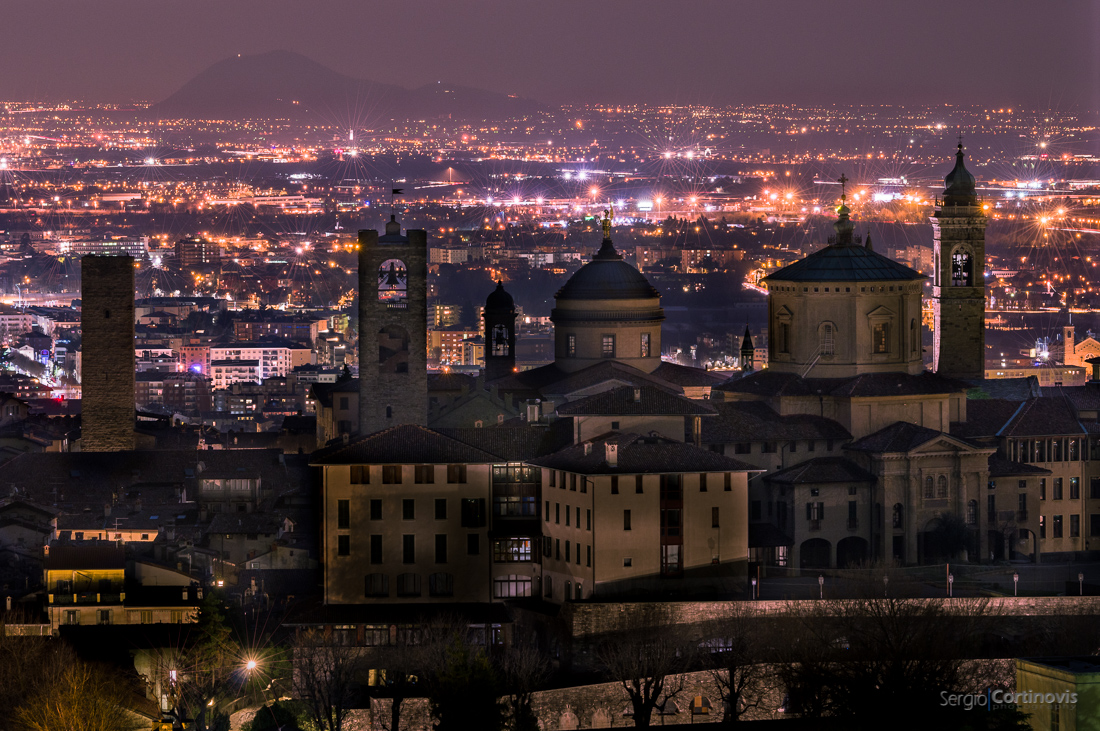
(405, 444)
(621, 401)
(901, 436)
(450, 382)
(822, 470)
(233, 523)
(640, 455)
(550, 380)
(1001, 467)
(845, 263)
(769, 382)
(746, 421)
(1083, 398)
(1047, 416)
(1012, 389)
(683, 375)
(516, 443)
(985, 417)
(90, 556)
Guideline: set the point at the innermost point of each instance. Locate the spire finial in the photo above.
(607, 214)
(843, 180)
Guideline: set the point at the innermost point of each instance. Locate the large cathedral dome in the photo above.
(607, 311)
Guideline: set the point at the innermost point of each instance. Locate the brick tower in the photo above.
(107, 326)
(958, 284)
(393, 318)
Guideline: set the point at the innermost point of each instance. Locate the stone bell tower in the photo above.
(500, 333)
(393, 317)
(958, 284)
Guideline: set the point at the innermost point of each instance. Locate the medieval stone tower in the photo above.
(958, 283)
(500, 333)
(393, 316)
(107, 381)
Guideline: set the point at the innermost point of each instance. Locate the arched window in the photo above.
(393, 282)
(941, 487)
(898, 515)
(393, 349)
(929, 486)
(972, 512)
(500, 340)
(828, 339)
(961, 269)
(880, 338)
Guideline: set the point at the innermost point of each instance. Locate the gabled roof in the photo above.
(1044, 416)
(769, 382)
(686, 376)
(90, 556)
(404, 444)
(1001, 467)
(621, 401)
(748, 421)
(1083, 398)
(985, 417)
(821, 470)
(901, 436)
(516, 443)
(640, 455)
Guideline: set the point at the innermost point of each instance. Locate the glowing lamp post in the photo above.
(1081, 584)
(1015, 584)
(821, 586)
(886, 586)
(950, 584)
(754, 587)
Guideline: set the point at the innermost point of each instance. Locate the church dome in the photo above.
(606, 277)
(499, 299)
(960, 185)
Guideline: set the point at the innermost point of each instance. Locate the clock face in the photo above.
(393, 280)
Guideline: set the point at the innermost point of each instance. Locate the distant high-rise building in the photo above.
(107, 325)
(500, 333)
(958, 286)
(393, 314)
(197, 251)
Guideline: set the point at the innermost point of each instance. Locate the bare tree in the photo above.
(523, 669)
(79, 696)
(325, 677)
(402, 662)
(739, 645)
(649, 664)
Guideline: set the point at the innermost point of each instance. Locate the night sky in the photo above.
(1044, 54)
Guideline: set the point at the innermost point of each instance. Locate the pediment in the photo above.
(942, 444)
(881, 312)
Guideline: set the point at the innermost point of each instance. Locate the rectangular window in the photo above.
(703, 482)
(1056, 523)
(456, 474)
(578, 521)
(557, 549)
(1042, 526)
(614, 484)
(553, 478)
(360, 474)
(441, 548)
(1094, 525)
(473, 512)
(343, 545)
(768, 448)
(627, 562)
(645, 345)
(1075, 526)
(343, 514)
(626, 520)
(408, 549)
(512, 550)
(638, 484)
(566, 516)
(511, 586)
(473, 544)
(880, 338)
(557, 513)
(1075, 488)
(424, 474)
(376, 549)
(571, 345)
(1042, 488)
(391, 474)
(792, 446)
(441, 508)
(1094, 488)
(729, 482)
(1056, 493)
(588, 556)
(607, 346)
(714, 517)
(376, 509)
(588, 519)
(567, 551)
(408, 509)
(377, 585)
(573, 483)
(547, 511)
(742, 448)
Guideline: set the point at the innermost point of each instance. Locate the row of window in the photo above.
(1058, 449)
(422, 474)
(133, 616)
(552, 547)
(440, 584)
(505, 550)
(568, 516)
(1074, 526)
(772, 447)
(607, 345)
(472, 511)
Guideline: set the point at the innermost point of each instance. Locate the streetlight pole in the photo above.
(950, 584)
(1015, 584)
(821, 585)
(1081, 584)
(886, 586)
(754, 588)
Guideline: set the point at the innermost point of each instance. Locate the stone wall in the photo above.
(107, 378)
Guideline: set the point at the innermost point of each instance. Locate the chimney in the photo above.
(612, 453)
(7, 603)
(532, 411)
(106, 510)
(587, 448)
(637, 395)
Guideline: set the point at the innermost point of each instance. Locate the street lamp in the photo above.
(1081, 584)
(754, 587)
(950, 583)
(1015, 584)
(886, 586)
(821, 585)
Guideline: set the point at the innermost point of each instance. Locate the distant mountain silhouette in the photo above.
(287, 84)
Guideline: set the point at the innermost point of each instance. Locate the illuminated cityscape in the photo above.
(510, 399)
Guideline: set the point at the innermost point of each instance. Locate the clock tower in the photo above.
(393, 316)
(958, 285)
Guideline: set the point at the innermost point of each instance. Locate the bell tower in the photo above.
(393, 316)
(500, 333)
(958, 284)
